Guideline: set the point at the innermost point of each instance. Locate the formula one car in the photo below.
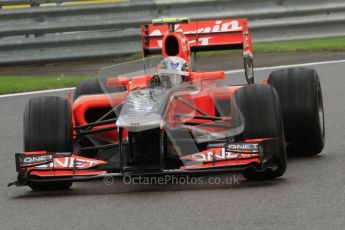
(160, 116)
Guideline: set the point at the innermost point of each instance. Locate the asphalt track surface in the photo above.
(310, 195)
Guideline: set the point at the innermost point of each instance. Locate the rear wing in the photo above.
(225, 34)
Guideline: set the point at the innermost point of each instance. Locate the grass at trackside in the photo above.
(309, 45)
(15, 84)
(322, 44)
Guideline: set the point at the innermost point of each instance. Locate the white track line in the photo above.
(35, 92)
(226, 72)
(287, 66)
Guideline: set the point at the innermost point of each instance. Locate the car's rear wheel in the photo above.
(300, 97)
(48, 127)
(260, 107)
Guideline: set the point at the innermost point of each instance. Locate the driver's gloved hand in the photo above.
(155, 81)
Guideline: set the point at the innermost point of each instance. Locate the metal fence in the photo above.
(46, 34)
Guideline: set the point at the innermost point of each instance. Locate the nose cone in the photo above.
(136, 123)
(143, 110)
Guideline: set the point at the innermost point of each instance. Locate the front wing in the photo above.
(45, 166)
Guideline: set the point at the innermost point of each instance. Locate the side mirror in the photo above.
(249, 69)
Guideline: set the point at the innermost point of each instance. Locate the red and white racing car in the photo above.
(160, 116)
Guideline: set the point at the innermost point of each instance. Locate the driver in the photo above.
(171, 72)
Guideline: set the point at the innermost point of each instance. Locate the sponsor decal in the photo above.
(213, 156)
(28, 160)
(70, 163)
(243, 147)
(212, 27)
(230, 152)
(201, 41)
(219, 26)
(174, 65)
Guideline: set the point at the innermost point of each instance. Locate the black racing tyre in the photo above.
(260, 107)
(87, 87)
(48, 126)
(300, 97)
(50, 186)
(92, 87)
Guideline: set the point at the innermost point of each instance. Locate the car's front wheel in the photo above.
(48, 127)
(260, 107)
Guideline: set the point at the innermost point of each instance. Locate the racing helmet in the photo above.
(172, 71)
